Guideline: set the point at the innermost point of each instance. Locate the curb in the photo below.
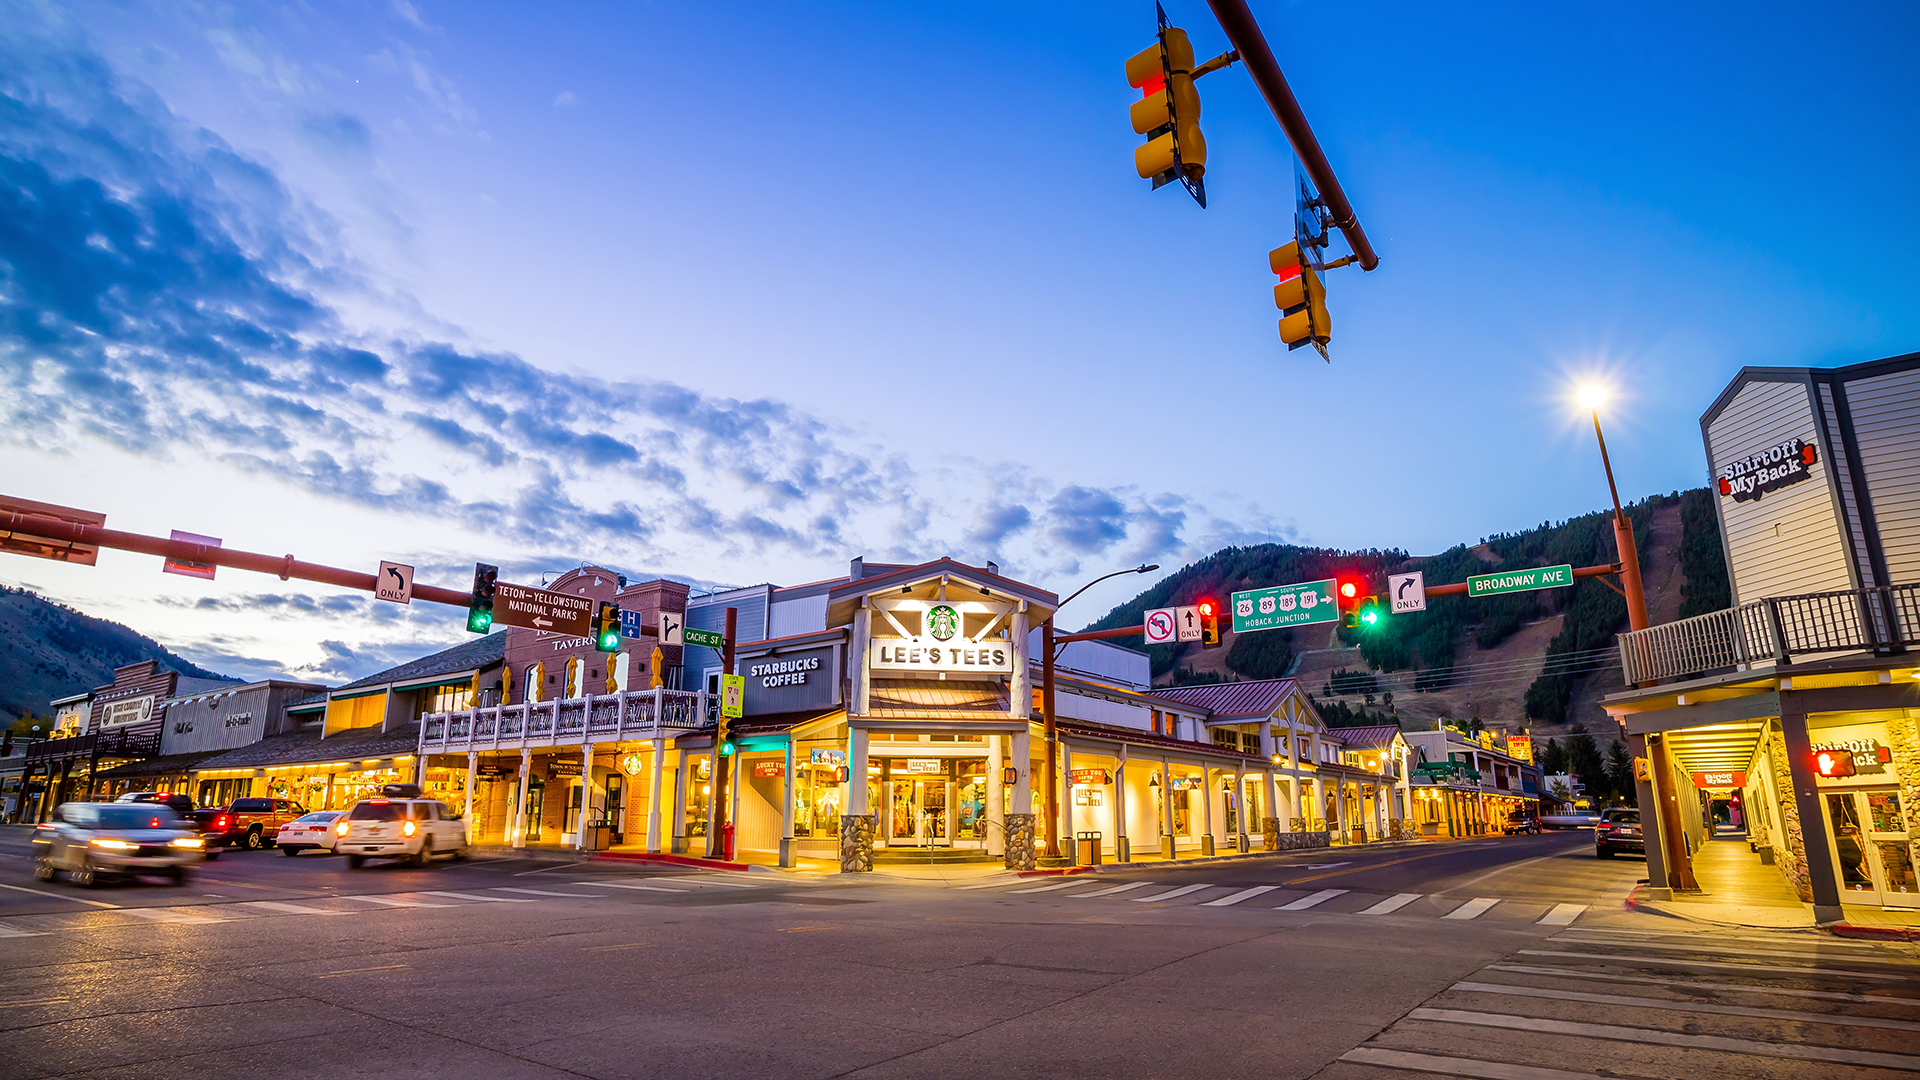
(674, 860)
(1874, 933)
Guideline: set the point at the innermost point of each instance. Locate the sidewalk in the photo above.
(1737, 889)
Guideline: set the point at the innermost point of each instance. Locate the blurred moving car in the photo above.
(181, 802)
(201, 820)
(313, 832)
(1521, 821)
(1619, 830)
(94, 841)
(253, 823)
(401, 825)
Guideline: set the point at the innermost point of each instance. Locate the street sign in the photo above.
(1545, 577)
(191, 569)
(1188, 619)
(1301, 604)
(709, 638)
(1162, 627)
(733, 696)
(394, 582)
(1409, 592)
(671, 624)
(25, 543)
(538, 609)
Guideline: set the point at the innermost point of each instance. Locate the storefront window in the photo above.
(699, 795)
(816, 800)
(449, 786)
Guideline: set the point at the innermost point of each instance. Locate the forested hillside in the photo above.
(1427, 653)
(48, 650)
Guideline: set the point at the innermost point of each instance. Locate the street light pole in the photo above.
(1622, 538)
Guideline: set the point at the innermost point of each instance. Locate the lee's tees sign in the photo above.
(926, 654)
(1768, 470)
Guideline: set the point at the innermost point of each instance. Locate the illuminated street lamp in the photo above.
(1591, 397)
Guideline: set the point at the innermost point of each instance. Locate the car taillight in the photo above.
(341, 829)
(407, 829)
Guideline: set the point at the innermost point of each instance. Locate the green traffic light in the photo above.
(610, 641)
(479, 622)
(726, 748)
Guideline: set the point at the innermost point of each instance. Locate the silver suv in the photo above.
(399, 828)
(92, 841)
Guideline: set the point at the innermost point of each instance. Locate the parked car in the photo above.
(211, 822)
(1521, 821)
(181, 802)
(399, 826)
(1619, 830)
(313, 832)
(253, 823)
(90, 842)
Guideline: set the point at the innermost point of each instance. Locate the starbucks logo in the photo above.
(943, 622)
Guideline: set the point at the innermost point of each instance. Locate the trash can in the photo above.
(599, 835)
(1086, 849)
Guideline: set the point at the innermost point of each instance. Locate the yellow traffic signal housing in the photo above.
(1168, 111)
(1301, 297)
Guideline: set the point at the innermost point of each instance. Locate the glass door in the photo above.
(935, 828)
(1870, 847)
(970, 804)
(536, 792)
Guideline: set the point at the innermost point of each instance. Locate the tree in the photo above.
(1560, 790)
(1584, 760)
(1620, 772)
(1553, 758)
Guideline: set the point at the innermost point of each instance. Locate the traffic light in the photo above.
(1209, 624)
(1302, 299)
(1168, 113)
(723, 736)
(480, 607)
(1368, 614)
(606, 628)
(1831, 764)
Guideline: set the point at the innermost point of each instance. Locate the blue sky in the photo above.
(735, 294)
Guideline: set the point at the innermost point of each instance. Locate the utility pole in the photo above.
(1055, 811)
(722, 765)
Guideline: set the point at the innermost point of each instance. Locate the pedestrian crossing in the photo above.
(1320, 902)
(1627, 1002)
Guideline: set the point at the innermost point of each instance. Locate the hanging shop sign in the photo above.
(1096, 777)
(1089, 797)
(130, 711)
(822, 756)
(1520, 746)
(766, 770)
(1719, 779)
(633, 764)
(792, 680)
(1767, 470)
(1186, 783)
(932, 766)
(558, 768)
(931, 654)
(493, 770)
(1869, 755)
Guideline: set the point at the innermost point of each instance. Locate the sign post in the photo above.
(1302, 604)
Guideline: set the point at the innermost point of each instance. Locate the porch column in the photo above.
(786, 809)
(654, 810)
(519, 822)
(1270, 807)
(1240, 801)
(586, 793)
(733, 800)
(1207, 795)
(1121, 851)
(996, 798)
(1067, 844)
(1673, 841)
(473, 767)
(1020, 854)
(1294, 784)
(857, 826)
(1166, 807)
(678, 821)
(1340, 808)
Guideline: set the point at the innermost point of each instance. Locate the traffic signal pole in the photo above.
(722, 765)
(1251, 44)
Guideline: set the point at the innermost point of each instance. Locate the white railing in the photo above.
(595, 718)
(1774, 631)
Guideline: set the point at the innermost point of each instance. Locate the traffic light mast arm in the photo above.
(1231, 56)
(1251, 44)
(1459, 588)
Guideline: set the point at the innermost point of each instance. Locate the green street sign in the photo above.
(1545, 577)
(1285, 605)
(704, 637)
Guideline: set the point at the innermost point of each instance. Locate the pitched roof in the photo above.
(310, 749)
(1363, 738)
(1256, 697)
(467, 656)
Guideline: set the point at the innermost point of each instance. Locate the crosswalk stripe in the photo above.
(713, 881)
(1244, 894)
(1048, 888)
(1182, 891)
(1675, 961)
(1306, 902)
(1117, 889)
(1562, 914)
(166, 916)
(627, 885)
(14, 931)
(1599, 933)
(392, 901)
(1630, 948)
(1455, 1066)
(1670, 1005)
(1392, 904)
(543, 892)
(59, 896)
(481, 899)
(988, 885)
(289, 909)
(1472, 909)
(1691, 984)
(1647, 1036)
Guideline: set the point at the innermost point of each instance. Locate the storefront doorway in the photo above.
(536, 793)
(936, 802)
(1870, 847)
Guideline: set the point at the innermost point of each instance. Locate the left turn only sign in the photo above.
(394, 582)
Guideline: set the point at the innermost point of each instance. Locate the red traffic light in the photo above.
(1349, 590)
(1833, 763)
(1206, 607)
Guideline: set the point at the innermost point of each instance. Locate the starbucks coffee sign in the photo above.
(932, 653)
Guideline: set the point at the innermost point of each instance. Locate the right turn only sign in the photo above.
(1409, 592)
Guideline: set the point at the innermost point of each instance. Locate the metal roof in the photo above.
(474, 655)
(1364, 738)
(1253, 698)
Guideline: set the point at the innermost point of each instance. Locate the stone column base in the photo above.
(1168, 849)
(856, 843)
(1270, 834)
(1020, 854)
(1122, 851)
(1243, 844)
(1299, 824)
(1206, 845)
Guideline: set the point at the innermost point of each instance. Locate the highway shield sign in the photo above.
(1301, 604)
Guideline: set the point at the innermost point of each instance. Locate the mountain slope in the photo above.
(48, 650)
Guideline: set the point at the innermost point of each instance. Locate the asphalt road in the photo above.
(1505, 958)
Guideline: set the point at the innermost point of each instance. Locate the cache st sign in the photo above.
(1768, 470)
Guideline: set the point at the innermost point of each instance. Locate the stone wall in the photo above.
(856, 843)
(1020, 853)
(1270, 834)
(1903, 738)
(1299, 841)
(1790, 851)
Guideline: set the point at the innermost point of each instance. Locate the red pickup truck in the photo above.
(251, 823)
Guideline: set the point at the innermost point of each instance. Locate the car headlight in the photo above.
(407, 829)
(187, 842)
(116, 845)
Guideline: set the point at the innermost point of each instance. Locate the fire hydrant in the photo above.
(726, 841)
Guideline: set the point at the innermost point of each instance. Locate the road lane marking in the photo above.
(1693, 984)
(988, 885)
(360, 971)
(1674, 961)
(14, 931)
(166, 916)
(1114, 891)
(289, 909)
(1368, 866)
(1243, 894)
(1562, 914)
(479, 899)
(41, 1001)
(1628, 948)
(611, 948)
(627, 885)
(392, 901)
(1454, 1066)
(1472, 909)
(1325, 865)
(1392, 904)
(1050, 888)
(61, 896)
(1670, 1005)
(544, 892)
(1306, 902)
(1181, 891)
(712, 881)
(1651, 1037)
